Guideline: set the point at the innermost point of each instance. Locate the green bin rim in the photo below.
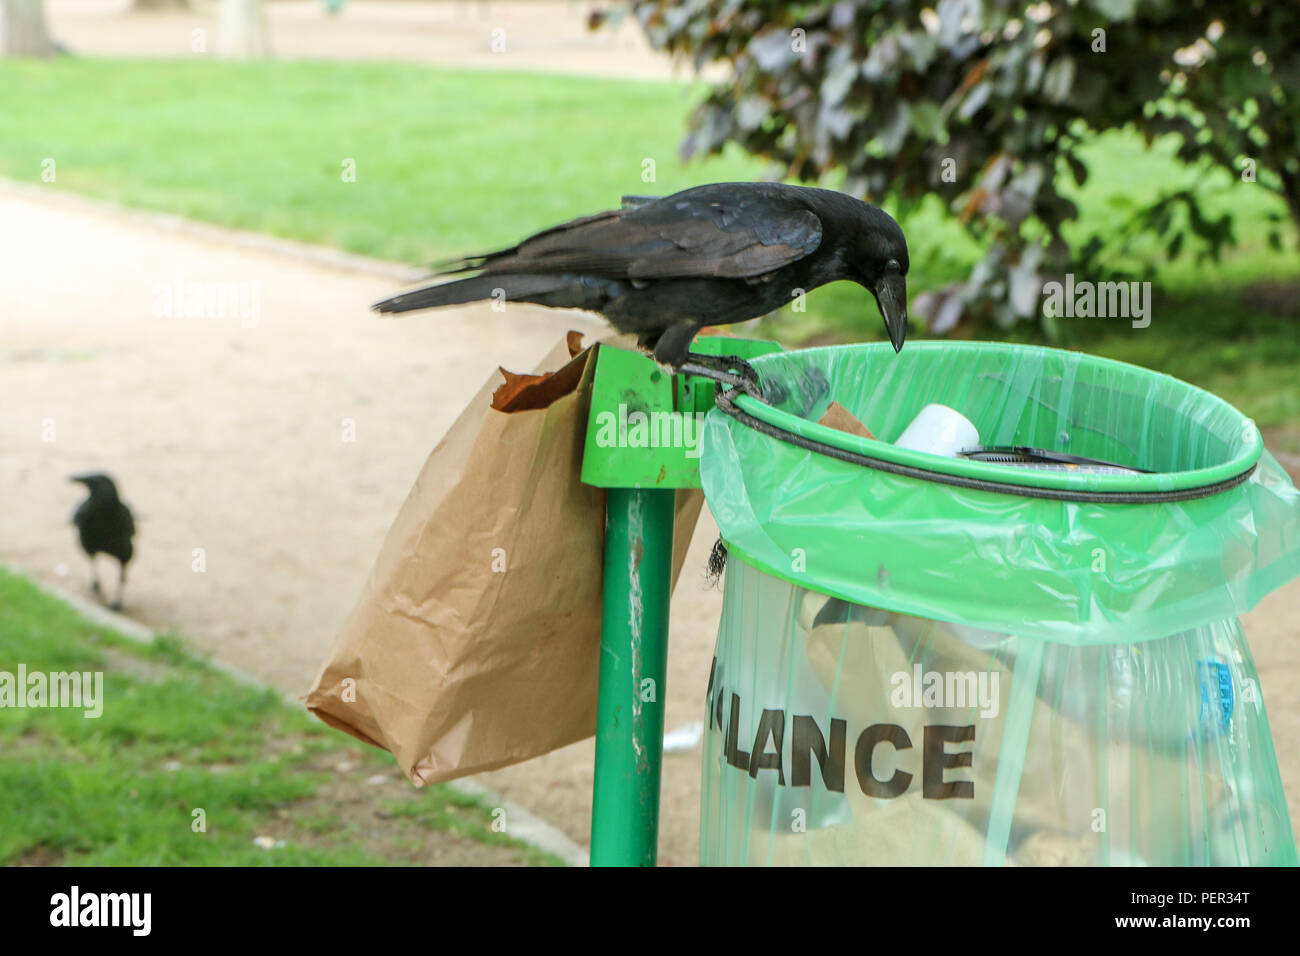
(1136, 483)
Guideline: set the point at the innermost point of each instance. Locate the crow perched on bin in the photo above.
(105, 526)
(710, 255)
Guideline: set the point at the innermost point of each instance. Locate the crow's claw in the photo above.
(719, 368)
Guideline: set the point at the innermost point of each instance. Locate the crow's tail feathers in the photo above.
(565, 291)
(471, 290)
(446, 293)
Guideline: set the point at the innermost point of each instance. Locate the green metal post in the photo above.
(633, 670)
(640, 479)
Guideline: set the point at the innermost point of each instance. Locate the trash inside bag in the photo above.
(1030, 657)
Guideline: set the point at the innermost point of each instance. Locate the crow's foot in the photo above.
(729, 370)
(725, 364)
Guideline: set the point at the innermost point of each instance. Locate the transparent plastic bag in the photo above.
(1127, 726)
(843, 734)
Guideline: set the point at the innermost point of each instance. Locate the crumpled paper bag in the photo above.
(475, 642)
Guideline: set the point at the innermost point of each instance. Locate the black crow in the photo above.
(704, 256)
(105, 526)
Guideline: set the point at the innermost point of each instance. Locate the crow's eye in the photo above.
(892, 267)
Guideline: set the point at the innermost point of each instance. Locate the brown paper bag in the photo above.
(475, 642)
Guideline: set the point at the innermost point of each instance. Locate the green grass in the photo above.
(446, 162)
(449, 162)
(177, 735)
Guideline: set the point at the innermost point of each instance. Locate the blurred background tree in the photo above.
(987, 103)
(146, 5)
(244, 30)
(23, 31)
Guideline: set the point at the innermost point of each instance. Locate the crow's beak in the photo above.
(891, 297)
(82, 479)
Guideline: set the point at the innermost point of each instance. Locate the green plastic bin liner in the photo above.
(938, 661)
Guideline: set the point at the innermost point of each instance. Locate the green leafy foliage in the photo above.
(988, 104)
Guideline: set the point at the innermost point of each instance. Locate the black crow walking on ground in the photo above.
(711, 255)
(105, 526)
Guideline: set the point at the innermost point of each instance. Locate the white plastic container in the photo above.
(939, 430)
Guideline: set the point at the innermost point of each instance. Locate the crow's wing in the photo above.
(713, 235)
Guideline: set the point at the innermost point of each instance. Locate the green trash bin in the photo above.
(932, 661)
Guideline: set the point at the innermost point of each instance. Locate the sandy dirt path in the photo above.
(227, 435)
